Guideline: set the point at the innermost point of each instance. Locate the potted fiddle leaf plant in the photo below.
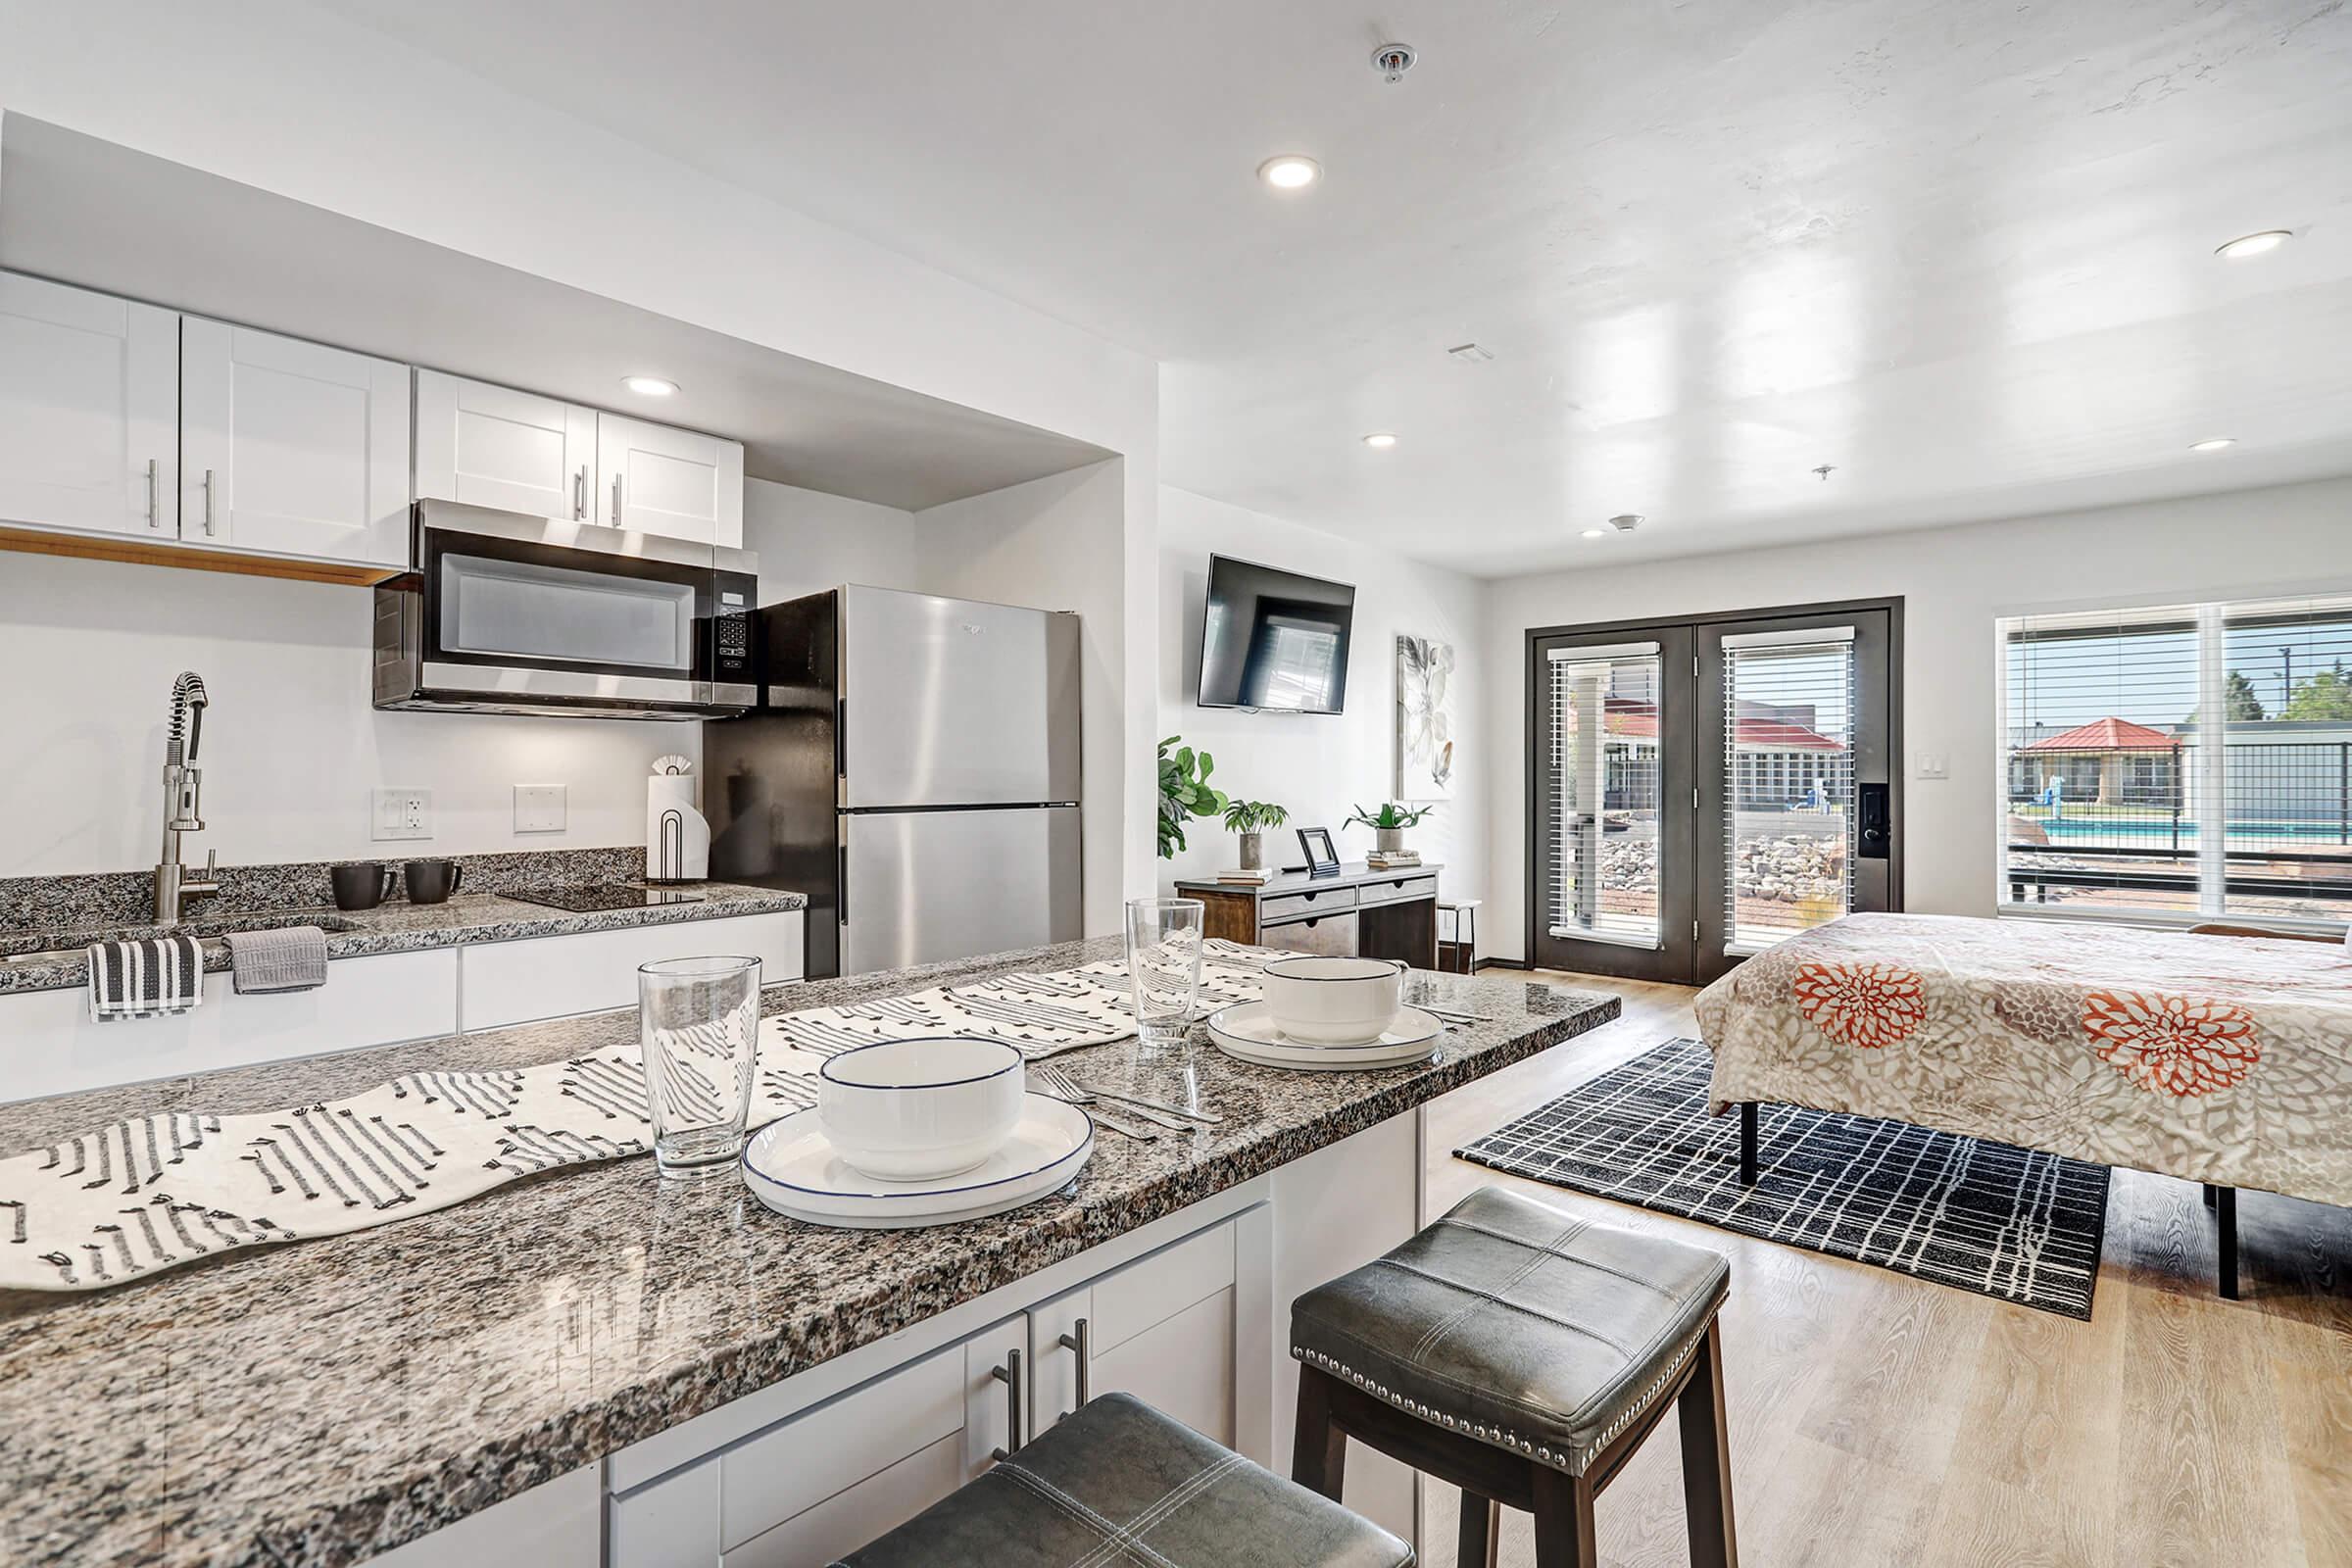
(1388, 824)
(1184, 792)
(1251, 819)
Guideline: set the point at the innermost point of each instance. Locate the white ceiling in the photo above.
(1960, 249)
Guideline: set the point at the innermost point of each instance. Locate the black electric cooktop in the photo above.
(586, 897)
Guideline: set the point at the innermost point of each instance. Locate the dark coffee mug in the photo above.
(362, 886)
(431, 881)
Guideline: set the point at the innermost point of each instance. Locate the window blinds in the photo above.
(1600, 806)
(2181, 763)
(1788, 705)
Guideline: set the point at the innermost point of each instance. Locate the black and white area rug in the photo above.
(1987, 1218)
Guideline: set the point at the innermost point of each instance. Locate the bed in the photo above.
(2224, 1059)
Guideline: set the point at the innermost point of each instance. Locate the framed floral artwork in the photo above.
(1423, 720)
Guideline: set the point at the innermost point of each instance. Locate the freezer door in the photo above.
(946, 701)
(926, 887)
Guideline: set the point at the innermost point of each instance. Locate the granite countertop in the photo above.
(315, 1405)
(402, 927)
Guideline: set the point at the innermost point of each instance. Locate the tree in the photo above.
(2326, 694)
(2238, 702)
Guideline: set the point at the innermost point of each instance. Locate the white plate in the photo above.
(1246, 1032)
(790, 1167)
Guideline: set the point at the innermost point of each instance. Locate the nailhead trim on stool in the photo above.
(1570, 1461)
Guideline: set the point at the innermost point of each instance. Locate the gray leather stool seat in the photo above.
(1118, 1481)
(1522, 1353)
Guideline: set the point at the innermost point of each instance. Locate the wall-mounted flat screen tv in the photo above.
(1274, 639)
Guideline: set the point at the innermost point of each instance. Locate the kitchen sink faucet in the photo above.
(182, 784)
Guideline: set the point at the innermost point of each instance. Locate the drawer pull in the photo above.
(1010, 1374)
(1077, 1344)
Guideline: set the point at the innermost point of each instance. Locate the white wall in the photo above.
(1058, 544)
(295, 100)
(807, 541)
(1954, 582)
(1318, 767)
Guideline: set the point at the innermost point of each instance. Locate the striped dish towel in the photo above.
(145, 978)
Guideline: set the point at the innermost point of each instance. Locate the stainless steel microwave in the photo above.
(509, 613)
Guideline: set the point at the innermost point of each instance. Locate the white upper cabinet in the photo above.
(655, 479)
(292, 448)
(491, 446)
(88, 403)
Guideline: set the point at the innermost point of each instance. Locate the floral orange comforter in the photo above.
(2224, 1059)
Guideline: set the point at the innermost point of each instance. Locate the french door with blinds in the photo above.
(1705, 789)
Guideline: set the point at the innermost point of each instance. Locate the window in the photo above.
(1788, 720)
(1602, 788)
(2180, 763)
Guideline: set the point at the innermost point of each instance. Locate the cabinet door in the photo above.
(491, 446)
(292, 448)
(679, 483)
(89, 409)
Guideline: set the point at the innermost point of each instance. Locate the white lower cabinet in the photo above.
(811, 1487)
(554, 977)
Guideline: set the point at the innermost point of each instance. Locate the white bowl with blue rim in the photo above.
(1333, 1002)
(912, 1110)
(791, 1167)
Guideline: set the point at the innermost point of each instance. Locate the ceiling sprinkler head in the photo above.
(1392, 61)
(1626, 521)
(1824, 472)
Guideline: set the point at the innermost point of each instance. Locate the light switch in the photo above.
(404, 812)
(1933, 765)
(539, 808)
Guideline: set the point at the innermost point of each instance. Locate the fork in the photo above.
(1060, 1087)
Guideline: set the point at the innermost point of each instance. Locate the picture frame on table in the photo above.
(1322, 855)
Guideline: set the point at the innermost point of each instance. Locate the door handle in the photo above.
(208, 503)
(1873, 830)
(1010, 1374)
(153, 522)
(1077, 1344)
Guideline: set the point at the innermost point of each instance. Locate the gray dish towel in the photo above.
(292, 958)
(145, 978)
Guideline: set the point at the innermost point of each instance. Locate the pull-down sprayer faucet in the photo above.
(182, 784)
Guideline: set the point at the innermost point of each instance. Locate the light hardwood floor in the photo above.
(1878, 1420)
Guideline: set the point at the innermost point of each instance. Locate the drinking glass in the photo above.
(698, 1022)
(1164, 965)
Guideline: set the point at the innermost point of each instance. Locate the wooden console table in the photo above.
(1360, 911)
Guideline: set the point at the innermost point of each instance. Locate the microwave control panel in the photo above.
(731, 610)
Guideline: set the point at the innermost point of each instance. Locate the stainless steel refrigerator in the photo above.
(912, 767)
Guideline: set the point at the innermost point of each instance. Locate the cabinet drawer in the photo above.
(855, 1515)
(1290, 905)
(792, 1467)
(1329, 934)
(1398, 890)
(554, 977)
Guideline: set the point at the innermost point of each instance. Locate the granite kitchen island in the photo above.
(588, 1363)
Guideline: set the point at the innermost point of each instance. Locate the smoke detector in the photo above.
(1626, 521)
(1392, 61)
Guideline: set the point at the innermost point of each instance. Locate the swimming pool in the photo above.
(2144, 830)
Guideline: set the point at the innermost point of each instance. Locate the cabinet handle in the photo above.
(153, 522)
(1010, 1374)
(616, 522)
(1075, 1342)
(208, 503)
(579, 494)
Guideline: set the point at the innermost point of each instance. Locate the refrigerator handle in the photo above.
(841, 888)
(841, 737)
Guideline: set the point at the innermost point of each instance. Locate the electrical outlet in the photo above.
(539, 808)
(403, 813)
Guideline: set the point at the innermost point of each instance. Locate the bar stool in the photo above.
(1522, 1355)
(1457, 936)
(1120, 1483)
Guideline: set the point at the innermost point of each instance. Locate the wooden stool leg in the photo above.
(1480, 1531)
(1564, 1521)
(1318, 1449)
(1707, 1459)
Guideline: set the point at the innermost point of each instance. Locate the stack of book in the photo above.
(1392, 859)
(1253, 879)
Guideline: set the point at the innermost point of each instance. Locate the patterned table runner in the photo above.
(154, 1191)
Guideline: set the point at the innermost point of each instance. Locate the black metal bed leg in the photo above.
(2224, 1210)
(1747, 1143)
(2213, 1195)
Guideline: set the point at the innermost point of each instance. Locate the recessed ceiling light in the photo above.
(1595, 533)
(1380, 440)
(651, 386)
(2213, 444)
(1290, 171)
(2246, 245)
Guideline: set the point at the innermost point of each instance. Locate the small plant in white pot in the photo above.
(1251, 819)
(1388, 824)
